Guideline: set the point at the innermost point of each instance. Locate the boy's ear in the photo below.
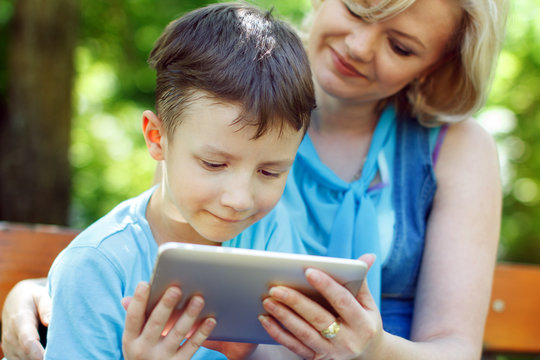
(153, 134)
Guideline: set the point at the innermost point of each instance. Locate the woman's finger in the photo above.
(339, 297)
(44, 305)
(285, 338)
(301, 329)
(364, 296)
(316, 315)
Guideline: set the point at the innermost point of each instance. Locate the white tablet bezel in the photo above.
(234, 282)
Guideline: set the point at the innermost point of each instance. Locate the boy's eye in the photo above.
(269, 173)
(212, 165)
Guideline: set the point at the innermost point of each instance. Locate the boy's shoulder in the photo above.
(121, 234)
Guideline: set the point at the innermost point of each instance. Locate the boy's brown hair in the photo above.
(236, 53)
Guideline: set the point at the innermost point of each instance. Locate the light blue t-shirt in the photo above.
(104, 264)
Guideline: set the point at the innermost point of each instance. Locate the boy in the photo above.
(233, 99)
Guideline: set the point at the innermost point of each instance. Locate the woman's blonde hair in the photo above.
(460, 83)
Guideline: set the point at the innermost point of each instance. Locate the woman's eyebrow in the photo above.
(411, 38)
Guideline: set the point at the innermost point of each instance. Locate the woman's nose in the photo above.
(361, 42)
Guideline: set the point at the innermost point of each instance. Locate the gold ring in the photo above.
(331, 331)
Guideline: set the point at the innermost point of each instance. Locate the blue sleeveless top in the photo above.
(402, 200)
(328, 215)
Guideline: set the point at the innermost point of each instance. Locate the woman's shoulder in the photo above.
(467, 148)
(469, 136)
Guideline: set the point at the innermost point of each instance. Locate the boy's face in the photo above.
(216, 177)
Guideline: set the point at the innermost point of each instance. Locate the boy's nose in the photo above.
(238, 196)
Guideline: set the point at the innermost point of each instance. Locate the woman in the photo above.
(370, 178)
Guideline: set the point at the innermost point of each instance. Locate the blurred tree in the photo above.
(35, 122)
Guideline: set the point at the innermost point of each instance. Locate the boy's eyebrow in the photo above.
(216, 151)
(279, 163)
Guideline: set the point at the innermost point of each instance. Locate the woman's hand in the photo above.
(160, 336)
(26, 304)
(302, 319)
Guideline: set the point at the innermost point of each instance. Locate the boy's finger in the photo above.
(125, 302)
(157, 321)
(196, 340)
(136, 311)
(185, 323)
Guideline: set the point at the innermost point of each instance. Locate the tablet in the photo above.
(234, 282)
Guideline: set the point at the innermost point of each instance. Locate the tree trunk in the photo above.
(35, 134)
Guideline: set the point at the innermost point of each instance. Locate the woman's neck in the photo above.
(335, 115)
(341, 132)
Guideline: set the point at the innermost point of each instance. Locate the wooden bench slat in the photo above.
(27, 251)
(513, 323)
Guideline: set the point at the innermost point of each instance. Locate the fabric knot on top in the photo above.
(355, 228)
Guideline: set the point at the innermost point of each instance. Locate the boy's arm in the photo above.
(87, 316)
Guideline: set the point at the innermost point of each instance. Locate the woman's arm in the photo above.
(461, 243)
(26, 304)
(455, 279)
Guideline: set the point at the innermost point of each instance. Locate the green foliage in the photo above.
(114, 85)
(517, 88)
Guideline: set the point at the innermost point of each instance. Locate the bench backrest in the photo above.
(27, 251)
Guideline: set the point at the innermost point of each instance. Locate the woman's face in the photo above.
(360, 61)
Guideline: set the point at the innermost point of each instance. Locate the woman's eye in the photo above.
(353, 14)
(212, 165)
(400, 50)
(269, 173)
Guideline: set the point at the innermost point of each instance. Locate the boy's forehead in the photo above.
(202, 104)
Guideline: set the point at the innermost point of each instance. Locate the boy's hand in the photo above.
(159, 338)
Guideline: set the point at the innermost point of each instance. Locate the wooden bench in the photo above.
(513, 324)
(27, 251)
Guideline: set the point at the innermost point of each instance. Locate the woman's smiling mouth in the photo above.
(344, 67)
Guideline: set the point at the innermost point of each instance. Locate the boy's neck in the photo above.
(167, 229)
